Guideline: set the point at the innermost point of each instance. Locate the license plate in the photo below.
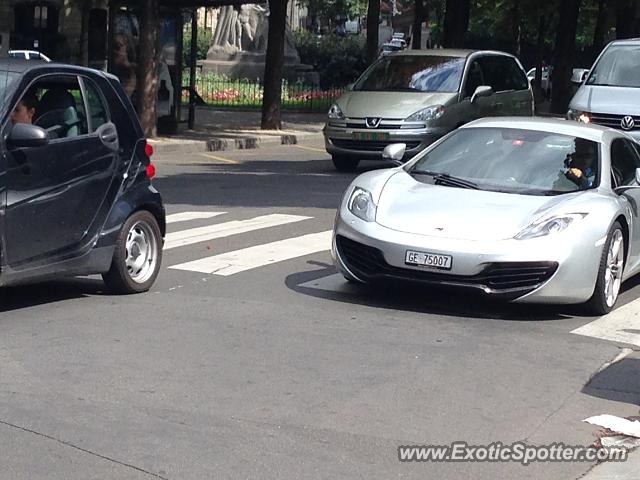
(430, 260)
(370, 136)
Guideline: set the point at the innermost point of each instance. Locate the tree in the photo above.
(456, 22)
(419, 13)
(274, 61)
(373, 21)
(331, 10)
(148, 66)
(564, 51)
(601, 25)
(627, 23)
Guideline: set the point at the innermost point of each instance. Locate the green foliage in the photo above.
(204, 42)
(331, 10)
(338, 60)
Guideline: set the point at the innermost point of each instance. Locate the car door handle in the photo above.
(108, 135)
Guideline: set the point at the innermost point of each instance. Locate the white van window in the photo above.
(619, 66)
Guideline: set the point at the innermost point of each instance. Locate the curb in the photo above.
(226, 142)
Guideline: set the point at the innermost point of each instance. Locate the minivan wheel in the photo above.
(345, 164)
(609, 278)
(137, 255)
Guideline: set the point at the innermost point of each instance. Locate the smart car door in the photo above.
(55, 192)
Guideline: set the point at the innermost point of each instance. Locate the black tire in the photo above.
(598, 304)
(126, 278)
(345, 164)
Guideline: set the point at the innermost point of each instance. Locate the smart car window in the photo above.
(60, 108)
(417, 73)
(619, 66)
(98, 110)
(516, 160)
(624, 161)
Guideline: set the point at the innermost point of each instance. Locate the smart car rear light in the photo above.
(148, 150)
(151, 170)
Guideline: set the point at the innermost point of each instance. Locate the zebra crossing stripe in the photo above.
(186, 216)
(238, 261)
(221, 230)
(622, 325)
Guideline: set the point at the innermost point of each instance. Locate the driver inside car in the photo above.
(25, 109)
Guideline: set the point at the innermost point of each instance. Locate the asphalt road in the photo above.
(274, 370)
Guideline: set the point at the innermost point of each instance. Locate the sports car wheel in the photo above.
(137, 256)
(345, 164)
(609, 278)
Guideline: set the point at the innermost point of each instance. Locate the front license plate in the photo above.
(431, 260)
(370, 136)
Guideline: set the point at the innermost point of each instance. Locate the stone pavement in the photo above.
(627, 470)
(220, 130)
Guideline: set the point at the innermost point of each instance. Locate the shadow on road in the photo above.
(619, 382)
(19, 297)
(424, 299)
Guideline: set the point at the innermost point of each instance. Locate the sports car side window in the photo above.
(624, 161)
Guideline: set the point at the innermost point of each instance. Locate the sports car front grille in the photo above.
(369, 264)
(370, 146)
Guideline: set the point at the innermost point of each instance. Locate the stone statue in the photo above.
(239, 44)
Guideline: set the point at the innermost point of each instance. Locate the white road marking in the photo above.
(237, 261)
(622, 325)
(186, 216)
(221, 230)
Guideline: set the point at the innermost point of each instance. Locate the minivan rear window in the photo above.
(619, 66)
(413, 73)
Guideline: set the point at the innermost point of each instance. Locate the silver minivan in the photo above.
(417, 96)
(610, 95)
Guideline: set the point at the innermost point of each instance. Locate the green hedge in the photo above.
(338, 60)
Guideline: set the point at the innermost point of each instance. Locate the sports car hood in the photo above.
(612, 100)
(389, 104)
(411, 206)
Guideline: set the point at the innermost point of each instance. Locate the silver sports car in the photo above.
(530, 210)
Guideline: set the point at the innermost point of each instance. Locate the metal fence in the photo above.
(219, 91)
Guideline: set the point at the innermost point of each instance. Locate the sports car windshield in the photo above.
(619, 66)
(510, 160)
(413, 73)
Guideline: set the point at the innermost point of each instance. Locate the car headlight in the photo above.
(335, 112)
(579, 116)
(549, 225)
(361, 204)
(426, 114)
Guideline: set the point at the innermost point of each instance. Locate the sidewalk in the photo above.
(220, 130)
(628, 470)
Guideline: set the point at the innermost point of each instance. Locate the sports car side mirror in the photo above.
(394, 152)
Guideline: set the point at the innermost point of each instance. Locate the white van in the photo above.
(610, 95)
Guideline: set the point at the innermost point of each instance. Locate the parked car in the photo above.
(28, 55)
(610, 96)
(545, 82)
(78, 196)
(527, 210)
(389, 47)
(417, 96)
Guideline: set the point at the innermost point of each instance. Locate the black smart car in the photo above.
(75, 176)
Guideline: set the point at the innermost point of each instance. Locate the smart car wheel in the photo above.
(137, 256)
(345, 164)
(609, 278)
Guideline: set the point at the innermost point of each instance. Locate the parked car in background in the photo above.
(545, 81)
(610, 95)
(523, 209)
(28, 55)
(76, 177)
(389, 47)
(417, 96)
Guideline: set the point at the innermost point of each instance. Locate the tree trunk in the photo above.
(418, 18)
(515, 27)
(601, 25)
(147, 84)
(627, 24)
(373, 16)
(84, 35)
(456, 22)
(274, 61)
(537, 82)
(564, 51)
